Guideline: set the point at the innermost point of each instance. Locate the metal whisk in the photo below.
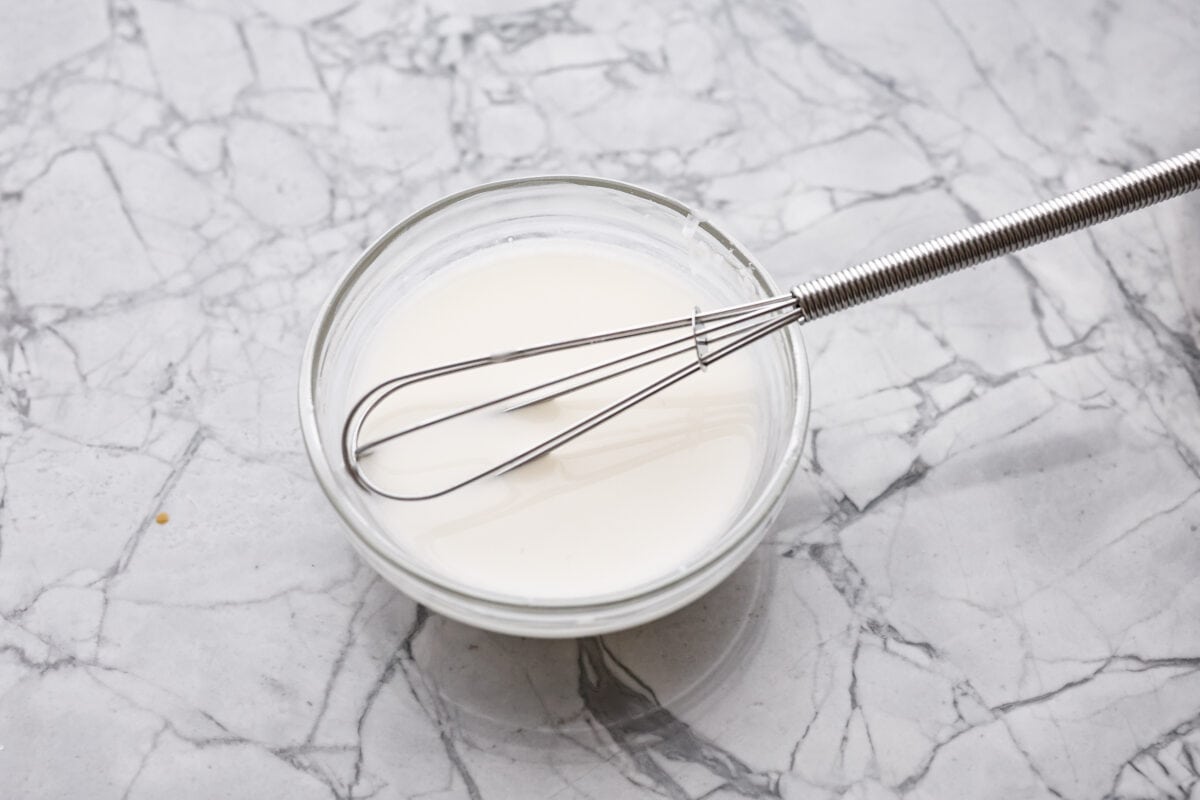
(714, 335)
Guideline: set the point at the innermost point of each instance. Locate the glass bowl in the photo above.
(571, 207)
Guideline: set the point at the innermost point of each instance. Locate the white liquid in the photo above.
(630, 502)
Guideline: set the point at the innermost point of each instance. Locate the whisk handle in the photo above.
(996, 237)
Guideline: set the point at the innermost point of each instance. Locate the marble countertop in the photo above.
(986, 579)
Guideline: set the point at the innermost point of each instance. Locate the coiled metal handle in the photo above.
(1000, 236)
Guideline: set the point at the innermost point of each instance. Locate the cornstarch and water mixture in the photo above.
(631, 502)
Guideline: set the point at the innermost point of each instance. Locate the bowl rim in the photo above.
(761, 510)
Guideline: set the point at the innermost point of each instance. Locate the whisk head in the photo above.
(709, 337)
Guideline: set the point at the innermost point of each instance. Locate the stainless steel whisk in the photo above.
(714, 335)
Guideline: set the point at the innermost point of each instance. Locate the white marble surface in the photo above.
(984, 584)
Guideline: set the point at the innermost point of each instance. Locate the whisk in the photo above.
(711, 336)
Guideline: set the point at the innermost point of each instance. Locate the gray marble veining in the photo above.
(986, 580)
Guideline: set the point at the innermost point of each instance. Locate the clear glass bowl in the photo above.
(595, 210)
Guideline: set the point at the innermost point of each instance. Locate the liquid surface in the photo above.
(633, 501)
